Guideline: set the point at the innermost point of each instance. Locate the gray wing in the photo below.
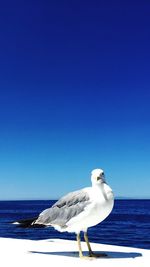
(64, 209)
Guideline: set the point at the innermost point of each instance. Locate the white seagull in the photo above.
(79, 210)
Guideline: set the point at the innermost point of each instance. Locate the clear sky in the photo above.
(74, 96)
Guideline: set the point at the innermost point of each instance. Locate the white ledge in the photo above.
(60, 252)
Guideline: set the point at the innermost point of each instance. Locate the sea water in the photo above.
(127, 225)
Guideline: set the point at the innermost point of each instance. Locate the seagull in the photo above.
(79, 210)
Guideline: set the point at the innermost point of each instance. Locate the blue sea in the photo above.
(127, 225)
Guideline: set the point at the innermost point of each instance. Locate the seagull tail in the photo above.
(28, 223)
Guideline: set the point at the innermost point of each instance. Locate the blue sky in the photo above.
(74, 96)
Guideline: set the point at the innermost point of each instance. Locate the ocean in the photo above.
(127, 225)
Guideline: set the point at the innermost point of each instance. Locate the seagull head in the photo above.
(97, 177)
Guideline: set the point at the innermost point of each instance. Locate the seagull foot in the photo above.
(86, 257)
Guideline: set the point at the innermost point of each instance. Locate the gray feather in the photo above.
(64, 209)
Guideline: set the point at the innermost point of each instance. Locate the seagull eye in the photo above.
(102, 173)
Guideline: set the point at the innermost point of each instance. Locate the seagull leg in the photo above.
(88, 244)
(91, 253)
(79, 245)
(80, 249)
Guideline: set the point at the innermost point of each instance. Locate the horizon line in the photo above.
(55, 199)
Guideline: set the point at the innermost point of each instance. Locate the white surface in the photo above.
(56, 252)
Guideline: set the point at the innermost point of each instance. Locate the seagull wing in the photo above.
(64, 209)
